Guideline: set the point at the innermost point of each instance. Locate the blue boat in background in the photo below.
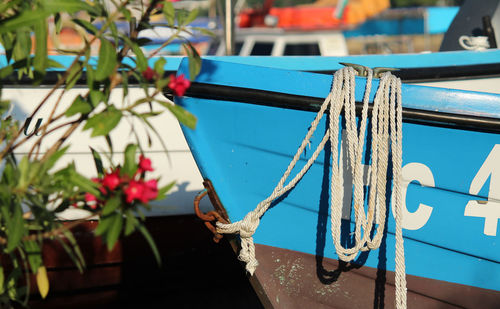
(252, 119)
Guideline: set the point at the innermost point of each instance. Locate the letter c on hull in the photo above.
(416, 172)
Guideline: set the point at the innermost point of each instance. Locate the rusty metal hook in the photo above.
(208, 217)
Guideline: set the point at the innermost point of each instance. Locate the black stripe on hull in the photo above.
(306, 103)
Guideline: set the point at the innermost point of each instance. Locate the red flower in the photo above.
(89, 197)
(111, 180)
(91, 200)
(144, 164)
(179, 84)
(99, 181)
(149, 74)
(150, 191)
(134, 191)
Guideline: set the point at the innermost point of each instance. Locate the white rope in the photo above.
(386, 131)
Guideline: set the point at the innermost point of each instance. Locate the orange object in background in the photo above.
(306, 17)
(317, 15)
(358, 11)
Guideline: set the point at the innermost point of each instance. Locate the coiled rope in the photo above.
(386, 133)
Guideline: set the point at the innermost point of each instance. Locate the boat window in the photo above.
(262, 49)
(214, 46)
(302, 49)
(237, 47)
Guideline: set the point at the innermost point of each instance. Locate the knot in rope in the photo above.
(246, 228)
(248, 225)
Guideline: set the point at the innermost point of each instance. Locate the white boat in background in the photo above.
(174, 165)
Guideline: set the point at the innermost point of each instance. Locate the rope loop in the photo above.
(386, 144)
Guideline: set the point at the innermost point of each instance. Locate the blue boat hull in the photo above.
(451, 172)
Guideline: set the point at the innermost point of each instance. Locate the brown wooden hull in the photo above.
(291, 279)
(195, 271)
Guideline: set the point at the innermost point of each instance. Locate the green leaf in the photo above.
(15, 228)
(86, 25)
(111, 205)
(162, 192)
(69, 6)
(97, 161)
(130, 223)
(114, 231)
(4, 106)
(34, 254)
(5, 5)
(104, 223)
(204, 31)
(160, 66)
(109, 143)
(184, 117)
(143, 41)
(162, 83)
(7, 40)
(125, 84)
(58, 22)
(34, 172)
(191, 17)
(74, 74)
(96, 97)
(130, 165)
(150, 241)
(11, 282)
(22, 47)
(141, 61)
(126, 13)
(79, 105)
(2, 280)
(194, 60)
(54, 64)
(75, 254)
(9, 173)
(83, 183)
(169, 12)
(52, 159)
(102, 123)
(114, 32)
(6, 71)
(181, 15)
(40, 60)
(23, 173)
(24, 19)
(107, 60)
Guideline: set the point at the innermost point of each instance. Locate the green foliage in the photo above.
(32, 191)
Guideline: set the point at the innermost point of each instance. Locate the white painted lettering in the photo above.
(416, 172)
(490, 209)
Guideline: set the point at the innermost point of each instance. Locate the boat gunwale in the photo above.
(407, 74)
(441, 73)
